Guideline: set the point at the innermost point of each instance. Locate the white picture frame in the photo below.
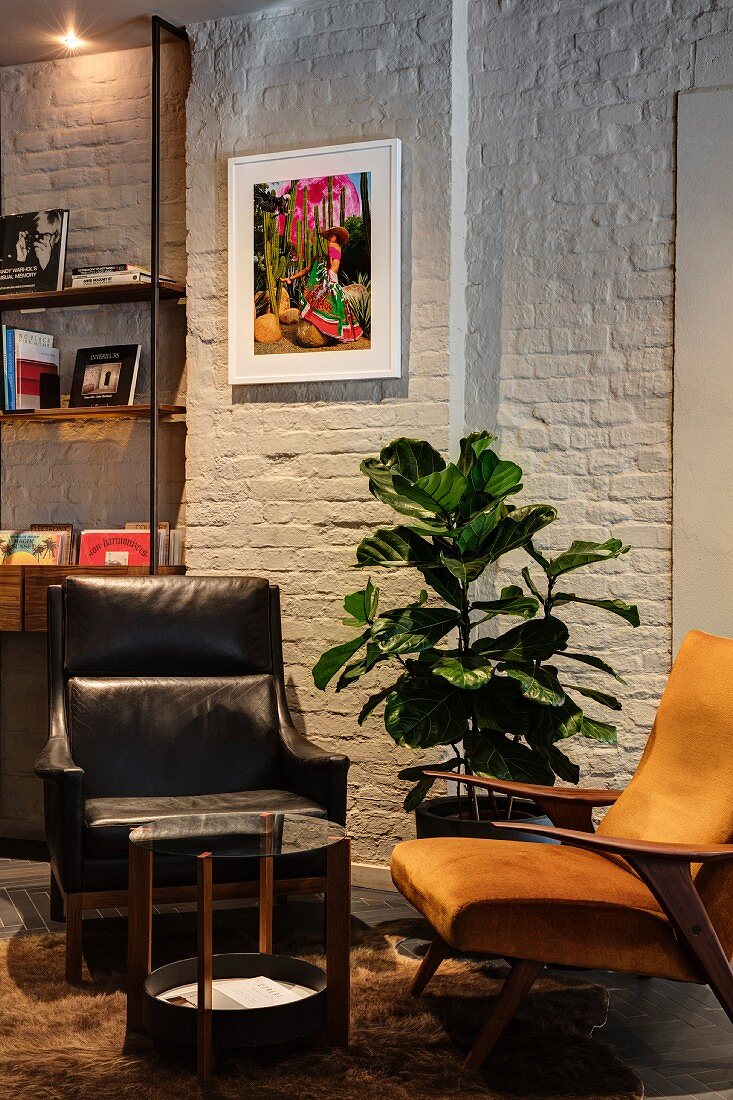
(380, 162)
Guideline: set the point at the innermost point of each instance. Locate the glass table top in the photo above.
(237, 835)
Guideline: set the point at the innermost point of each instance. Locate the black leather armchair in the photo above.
(167, 697)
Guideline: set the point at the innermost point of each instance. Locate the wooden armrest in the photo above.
(569, 807)
(628, 849)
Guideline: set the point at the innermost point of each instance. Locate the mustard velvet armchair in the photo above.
(649, 893)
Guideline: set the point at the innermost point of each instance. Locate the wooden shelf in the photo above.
(23, 588)
(104, 412)
(88, 296)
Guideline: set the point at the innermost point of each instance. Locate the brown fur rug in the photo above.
(57, 1041)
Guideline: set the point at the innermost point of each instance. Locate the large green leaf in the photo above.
(417, 771)
(538, 684)
(535, 640)
(558, 761)
(398, 547)
(512, 601)
(500, 706)
(626, 611)
(374, 700)
(464, 671)
(356, 669)
(594, 662)
(361, 606)
(335, 658)
(439, 492)
(599, 731)
(516, 528)
(411, 629)
(465, 570)
(601, 697)
(504, 758)
(564, 721)
(381, 486)
(472, 447)
(527, 577)
(412, 458)
(418, 794)
(585, 553)
(469, 537)
(506, 478)
(423, 713)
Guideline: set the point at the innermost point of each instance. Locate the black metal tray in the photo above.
(243, 1027)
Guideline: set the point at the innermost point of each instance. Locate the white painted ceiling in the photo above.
(32, 29)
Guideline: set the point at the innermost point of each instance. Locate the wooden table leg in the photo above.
(338, 930)
(204, 893)
(139, 931)
(267, 883)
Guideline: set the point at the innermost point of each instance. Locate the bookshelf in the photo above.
(23, 588)
(104, 412)
(71, 297)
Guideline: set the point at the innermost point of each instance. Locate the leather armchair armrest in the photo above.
(54, 763)
(568, 807)
(314, 772)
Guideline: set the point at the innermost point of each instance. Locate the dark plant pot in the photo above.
(439, 817)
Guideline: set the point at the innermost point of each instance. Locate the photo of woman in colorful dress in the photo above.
(312, 264)
(324, 304)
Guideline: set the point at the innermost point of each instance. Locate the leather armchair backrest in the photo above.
(173, 735)
(167, 626)
(169, 684)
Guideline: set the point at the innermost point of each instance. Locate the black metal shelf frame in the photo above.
(159, 27)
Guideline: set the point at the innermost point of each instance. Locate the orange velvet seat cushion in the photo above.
(544, 902)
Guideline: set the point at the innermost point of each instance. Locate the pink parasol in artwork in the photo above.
(317, 191)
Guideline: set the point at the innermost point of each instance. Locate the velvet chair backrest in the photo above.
(683, 787)
(682, 791)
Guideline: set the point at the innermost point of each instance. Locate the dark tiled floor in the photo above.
(676, 1035)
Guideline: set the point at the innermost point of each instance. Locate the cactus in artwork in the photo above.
(342, 206)
(275, 263)
(288, 229)
(366, 217)
(330, 200)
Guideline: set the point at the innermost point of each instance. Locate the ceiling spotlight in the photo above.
(71, 41)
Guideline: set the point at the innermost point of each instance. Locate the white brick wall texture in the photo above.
(273, 471)
(570, 290)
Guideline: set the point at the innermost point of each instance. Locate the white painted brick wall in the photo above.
(570, 285)
(76, 133)
(273, 472)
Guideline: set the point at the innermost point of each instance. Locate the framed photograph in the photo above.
(314, 264)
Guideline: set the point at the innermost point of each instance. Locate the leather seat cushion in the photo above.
(108, 821)
(545, 902)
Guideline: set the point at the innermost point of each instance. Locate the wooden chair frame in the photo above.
(666, 869)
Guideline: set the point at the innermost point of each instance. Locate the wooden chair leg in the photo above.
(431, 961)
(74, 912)
(516, 987)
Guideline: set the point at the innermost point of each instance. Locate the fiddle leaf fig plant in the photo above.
(503, 702)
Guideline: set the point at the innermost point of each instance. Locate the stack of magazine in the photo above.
(118, 274)
(60, 544)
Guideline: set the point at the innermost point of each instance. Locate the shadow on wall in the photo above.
(372, 391)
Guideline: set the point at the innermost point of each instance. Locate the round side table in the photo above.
(247, 999)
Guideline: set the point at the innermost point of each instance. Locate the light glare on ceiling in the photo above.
(71, 40)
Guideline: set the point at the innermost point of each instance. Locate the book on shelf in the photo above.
(32, 361)
(105, 376)
(164, 529)
(34, 347)
(95, 270)
(33, 250)
(131, 545)
(114, 547)
(62, 528)
(36, 547)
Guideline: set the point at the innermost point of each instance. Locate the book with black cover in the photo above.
(33, 251)
(105, 376)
